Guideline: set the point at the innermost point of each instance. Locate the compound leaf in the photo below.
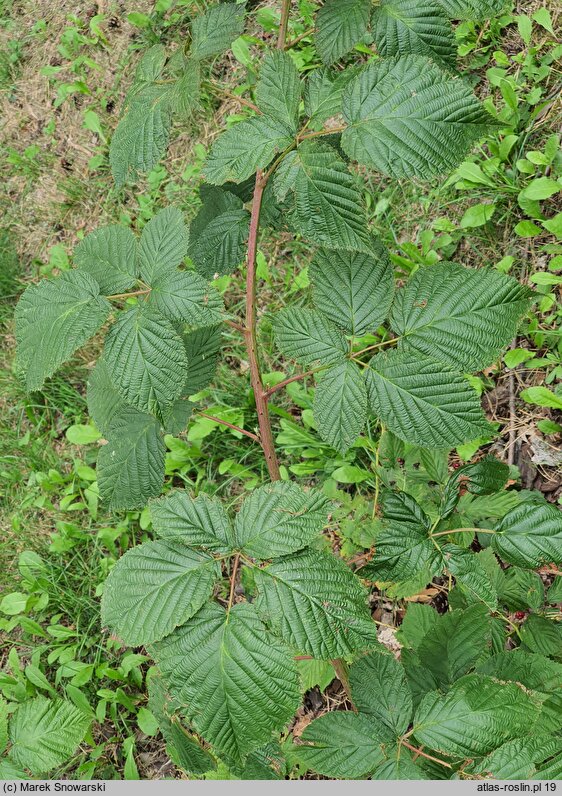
(53, 319)
(155, 587)
(530, 535)
(45, 733)
(146, 360)
(199, 522)
(463, 317)
(278, 519)
(109, 255)
(304, 335)
(185, 297)
(235, 681)
(404, 548)
(278, 92)
(423, 401)
(163, 244)
(340, 25)
(316, 604)
(328, 204)
(409, 118)
(340, 745)
(245, 147)
(214, 31)
(131, 466)
(476, 716)
(405, 27)
(380, 691)
(353, 289)
(340, 405)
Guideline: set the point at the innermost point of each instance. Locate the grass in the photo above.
(62, 80)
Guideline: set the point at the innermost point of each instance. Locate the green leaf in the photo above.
(214, 31)
(304, 335)
(530, 535)
(340, 745)
(468, 571)
(244, 148)
(218, 234)
(238, 684)
(109, 255)
(316, 604)
(53, 319)
(517, 759)
(154, 588)
(278, 92)
(541, 188)
(315, 673)
(407, 118)
(340, 25)
(543, 636)
(199, 522)
(417, 623)
(472, 9)
(542, 396)
(398, 768)
(163, 244)
(554, 594)
(554, 225)
(131, 465)
(80, 434)
(481, 478)
(146, 360)
(461, 316)
(278, 519)
(380, 691)
(328, 203)
(404, 548)
(141, 138)
(323, 93)
(3, 724)
(455, 643)
(45, 733)
(477, 715)
(187, 753)
(202, 347)
(361, 283)
(423, 401)
(340, 405)
(183, 296)
(147, 722)
(14, 603)
(104, 401)
(533, 671)
(404, 27)
(477, 216)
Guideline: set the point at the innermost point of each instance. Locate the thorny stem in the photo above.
(292, 43)
(262, 408)
(118, 296)
(233, 580)
(376, 345)
(341, 671)
(284, 24)
(298, 377)
(463, 530)
(424, 754)
(230, 425)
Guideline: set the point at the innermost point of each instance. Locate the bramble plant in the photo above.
(473, 694)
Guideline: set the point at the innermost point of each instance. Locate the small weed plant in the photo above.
(230, 606)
